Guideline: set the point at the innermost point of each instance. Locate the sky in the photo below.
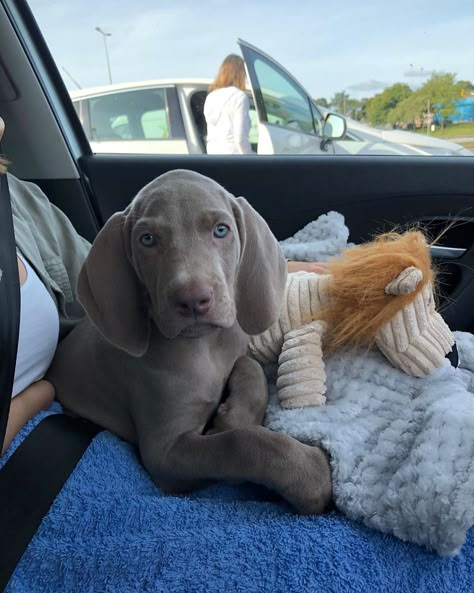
(359, 46)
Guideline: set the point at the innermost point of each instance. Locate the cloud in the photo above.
(418, 73)
(369, 85)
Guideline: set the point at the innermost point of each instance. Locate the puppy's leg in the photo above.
(247, 399)
(298, 472)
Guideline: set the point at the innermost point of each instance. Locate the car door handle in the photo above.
(442, 252)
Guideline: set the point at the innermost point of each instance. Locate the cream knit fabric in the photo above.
(296, 342)
(417, 339)
(301, 378)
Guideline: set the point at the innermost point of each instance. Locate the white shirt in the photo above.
(39, 331)
(228, 123)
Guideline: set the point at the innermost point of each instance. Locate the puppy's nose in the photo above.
(453, 356)
(193, 299)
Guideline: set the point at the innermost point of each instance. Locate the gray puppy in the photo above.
(172, 288)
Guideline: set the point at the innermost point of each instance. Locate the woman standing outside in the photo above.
(226, 110)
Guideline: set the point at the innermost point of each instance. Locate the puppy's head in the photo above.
(186, 256)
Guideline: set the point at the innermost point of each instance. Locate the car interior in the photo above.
(125, 116)
(45, 144)
(197, 109)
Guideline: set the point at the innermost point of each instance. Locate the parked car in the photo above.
(166, 117)
(422, 144)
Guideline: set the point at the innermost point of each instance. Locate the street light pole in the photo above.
(104, 37)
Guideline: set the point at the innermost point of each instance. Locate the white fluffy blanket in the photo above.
(318, 240)
(402, 448)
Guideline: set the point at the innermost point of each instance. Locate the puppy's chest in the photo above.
(207, 361)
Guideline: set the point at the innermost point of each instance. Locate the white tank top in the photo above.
(39, 331)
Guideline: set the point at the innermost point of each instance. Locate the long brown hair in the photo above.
(231, 73)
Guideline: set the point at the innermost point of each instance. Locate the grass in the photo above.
(455, 130)
(461, 133)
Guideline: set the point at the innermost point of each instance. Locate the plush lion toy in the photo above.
(379, 293)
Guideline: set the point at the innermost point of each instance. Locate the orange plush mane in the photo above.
(358, 305)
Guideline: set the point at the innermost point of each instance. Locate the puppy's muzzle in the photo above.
(193, 300)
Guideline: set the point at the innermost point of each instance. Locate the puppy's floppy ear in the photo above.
(262, 273)
(109, 291)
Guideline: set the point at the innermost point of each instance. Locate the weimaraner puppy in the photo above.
(172, 287)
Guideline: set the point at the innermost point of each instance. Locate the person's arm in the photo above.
(50, 225)
(46, 236)
(38, 396)
(241, 121)
(303, 266)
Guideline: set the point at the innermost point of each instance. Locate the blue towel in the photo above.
(110, 530)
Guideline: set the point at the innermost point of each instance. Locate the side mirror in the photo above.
(334, 128)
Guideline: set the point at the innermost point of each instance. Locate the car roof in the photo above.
(128, 86)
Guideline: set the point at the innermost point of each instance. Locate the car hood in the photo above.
(424, 142)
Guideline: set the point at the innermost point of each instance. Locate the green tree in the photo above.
(361, 114)
(409, 111)
(441, 92)
(467, 88)
(323, 102)
(345, 104)
(437, 95)
(338, 102)
(379, 106)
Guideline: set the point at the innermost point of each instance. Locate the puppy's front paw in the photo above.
(309, 487)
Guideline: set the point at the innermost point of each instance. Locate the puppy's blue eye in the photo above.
(221, 231)
(147, 240)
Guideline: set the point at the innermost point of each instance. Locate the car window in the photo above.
(133, 115)
(155, 125)
(399, 77)
(284, 103)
